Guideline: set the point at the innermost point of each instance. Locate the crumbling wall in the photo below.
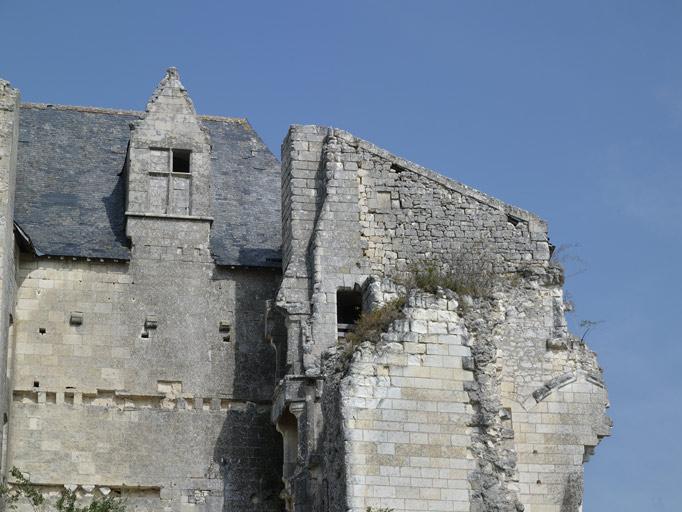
(406, 414)
(353, 213)
(351, 210)
(433, 416)
(527, 358)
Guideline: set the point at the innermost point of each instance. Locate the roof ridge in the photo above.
(94, 110)
(138, 113)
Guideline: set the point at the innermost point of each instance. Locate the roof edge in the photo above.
(137, 113)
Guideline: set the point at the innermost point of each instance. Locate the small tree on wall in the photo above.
(22, 490)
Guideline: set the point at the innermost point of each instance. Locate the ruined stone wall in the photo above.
(550, 385)
(407, 417)
(442, 415)
(531, 397)
(9, 135)
(351, 210)
(149, 391)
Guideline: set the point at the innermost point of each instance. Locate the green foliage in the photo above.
(372, 323)
(465, 274)
(22, 487)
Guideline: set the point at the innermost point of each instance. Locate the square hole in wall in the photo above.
(181, 158)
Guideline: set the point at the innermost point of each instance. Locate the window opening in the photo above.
(181, 159)
(170, 181)
(348, 310)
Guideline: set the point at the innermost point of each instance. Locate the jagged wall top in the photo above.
(8, 95)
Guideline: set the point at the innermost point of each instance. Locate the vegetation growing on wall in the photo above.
(373, 323)
(467, 272)
(23, 490)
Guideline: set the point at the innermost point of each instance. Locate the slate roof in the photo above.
(70, 193)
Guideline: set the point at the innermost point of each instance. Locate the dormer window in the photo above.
(170, 181)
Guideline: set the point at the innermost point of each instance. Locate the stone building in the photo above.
(177, 310)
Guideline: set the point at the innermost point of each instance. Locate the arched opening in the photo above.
(287, 425)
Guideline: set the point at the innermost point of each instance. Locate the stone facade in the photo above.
(186, 378)
(465, 403)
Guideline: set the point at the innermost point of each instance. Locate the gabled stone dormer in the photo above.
(169, 171)
(169, 157)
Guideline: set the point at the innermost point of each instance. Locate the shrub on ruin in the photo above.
(372, 324)
(465, 273)
(22, 489)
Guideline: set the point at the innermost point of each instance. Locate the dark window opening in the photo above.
(514, 220)
(42, 330)
(348, 310)
(36, 384)
(144, 335)
(181, 160)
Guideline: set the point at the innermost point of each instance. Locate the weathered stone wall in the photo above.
(153, 374)
(442, 414)
(154, 187)
(407, 417)
(351, 210)
(160, 454)
(532, 402)
(158, 412)
(9, 135)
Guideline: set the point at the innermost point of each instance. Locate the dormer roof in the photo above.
(70, 194)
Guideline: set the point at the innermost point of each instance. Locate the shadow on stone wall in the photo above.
(114, 205)
(248, 450)
(573, 492)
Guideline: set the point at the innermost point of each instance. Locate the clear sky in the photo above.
(572, 110)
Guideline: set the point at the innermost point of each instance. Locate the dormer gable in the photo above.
(169, 164)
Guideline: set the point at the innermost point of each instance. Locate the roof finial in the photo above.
(172, 73)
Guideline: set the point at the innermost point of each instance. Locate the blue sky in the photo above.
(572, 110)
